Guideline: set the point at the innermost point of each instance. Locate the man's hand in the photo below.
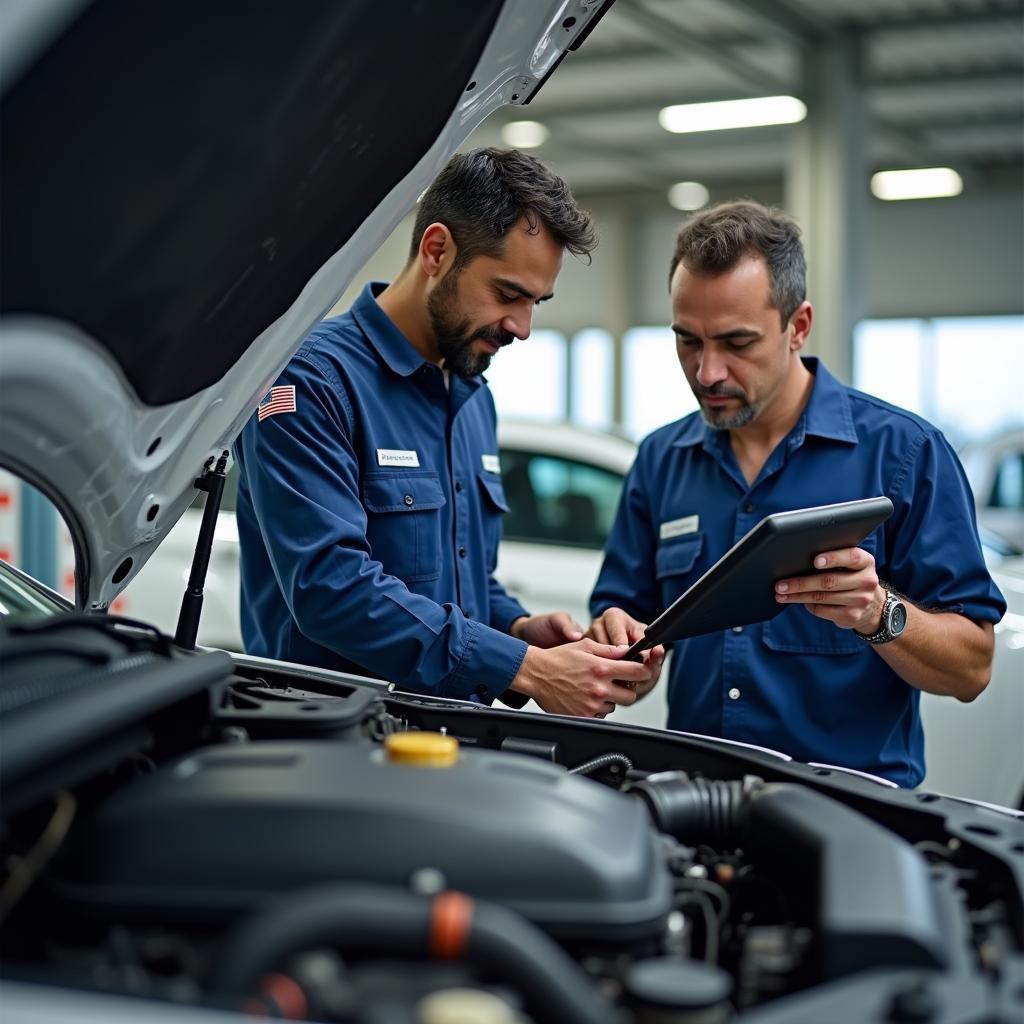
(549, 630)
(846, 591)
(583, 678)
(614, 626)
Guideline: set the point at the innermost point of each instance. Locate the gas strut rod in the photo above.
(212, 481)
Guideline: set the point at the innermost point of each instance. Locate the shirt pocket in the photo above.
(796, 631)
(494, 507)
(677, 564)
(403, 523)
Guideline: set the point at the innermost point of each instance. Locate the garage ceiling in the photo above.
(944, 81)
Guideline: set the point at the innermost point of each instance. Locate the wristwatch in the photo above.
(894, 620)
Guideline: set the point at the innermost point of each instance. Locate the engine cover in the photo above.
(223, 829)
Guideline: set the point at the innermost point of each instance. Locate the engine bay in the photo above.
(201, 831)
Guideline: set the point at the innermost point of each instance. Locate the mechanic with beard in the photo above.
(837, 676)
(370, 498)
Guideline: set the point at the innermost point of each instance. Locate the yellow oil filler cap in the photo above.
(428, 749)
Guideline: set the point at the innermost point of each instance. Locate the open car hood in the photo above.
(186, 190)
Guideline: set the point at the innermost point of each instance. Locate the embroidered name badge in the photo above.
(279, 399)
(491, 463)
(395, 457)
(679, 527)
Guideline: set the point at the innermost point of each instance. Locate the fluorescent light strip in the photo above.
(710, 117)
(917, 183)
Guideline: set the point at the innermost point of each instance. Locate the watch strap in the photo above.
(883, 634)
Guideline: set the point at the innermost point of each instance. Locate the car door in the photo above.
(560, 513)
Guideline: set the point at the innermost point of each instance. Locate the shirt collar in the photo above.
(393, 347)
(828, 410)
(827, 414)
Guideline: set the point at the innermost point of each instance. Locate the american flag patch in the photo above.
(279, 399)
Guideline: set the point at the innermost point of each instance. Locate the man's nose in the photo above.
(712, 369)
(519, 323)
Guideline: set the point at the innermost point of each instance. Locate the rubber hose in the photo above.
(694, 810)
(394, 923)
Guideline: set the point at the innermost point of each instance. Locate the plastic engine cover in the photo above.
(220, 830)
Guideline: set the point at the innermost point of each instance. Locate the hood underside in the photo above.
(186, 190)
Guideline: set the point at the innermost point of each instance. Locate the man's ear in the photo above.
(800, 321)
(437, 250)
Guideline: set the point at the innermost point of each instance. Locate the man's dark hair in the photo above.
(715, 240)
(481, 195)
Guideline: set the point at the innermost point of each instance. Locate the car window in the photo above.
(17, 598)
(1008, 486)
(558, 501)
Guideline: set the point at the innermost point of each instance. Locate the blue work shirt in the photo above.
(369, 513)
(798, 683)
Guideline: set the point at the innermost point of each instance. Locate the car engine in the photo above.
(212, 833)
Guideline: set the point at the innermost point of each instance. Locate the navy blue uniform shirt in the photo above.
(797, 683)
(369, 514)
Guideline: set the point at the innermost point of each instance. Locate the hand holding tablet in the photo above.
(739, 588)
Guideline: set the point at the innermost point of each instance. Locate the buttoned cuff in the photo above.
(488, 663)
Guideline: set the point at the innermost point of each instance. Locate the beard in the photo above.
(454, 336)
(721, 419)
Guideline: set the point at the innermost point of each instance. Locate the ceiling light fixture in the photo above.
(917, 183)
(688, 195)
(710, 117)
(524, 134)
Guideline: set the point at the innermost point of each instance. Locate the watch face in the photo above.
(898, 619)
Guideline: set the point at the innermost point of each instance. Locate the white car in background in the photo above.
(995, 469)
(563, 484)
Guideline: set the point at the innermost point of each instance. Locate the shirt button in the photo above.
(408, 499)
(748, 507)
(462, 552)
(737, 629)
(458, 486)
(734, 694)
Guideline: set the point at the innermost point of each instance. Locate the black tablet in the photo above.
(740, 587)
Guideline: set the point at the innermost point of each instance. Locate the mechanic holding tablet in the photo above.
(836, 677)
(370, 496)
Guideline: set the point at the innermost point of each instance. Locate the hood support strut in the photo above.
(212, 481)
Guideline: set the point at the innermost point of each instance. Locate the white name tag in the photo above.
(394, 457)
(491, 463)
(678, 527)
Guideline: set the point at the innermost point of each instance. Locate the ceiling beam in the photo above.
(879, 22)
(780, 20)
(671, 37)
(966, 119)
(785, 21)
(987, 72)
(983, 71)
(634, 50)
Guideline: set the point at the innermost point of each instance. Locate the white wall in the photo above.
(946, 257)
